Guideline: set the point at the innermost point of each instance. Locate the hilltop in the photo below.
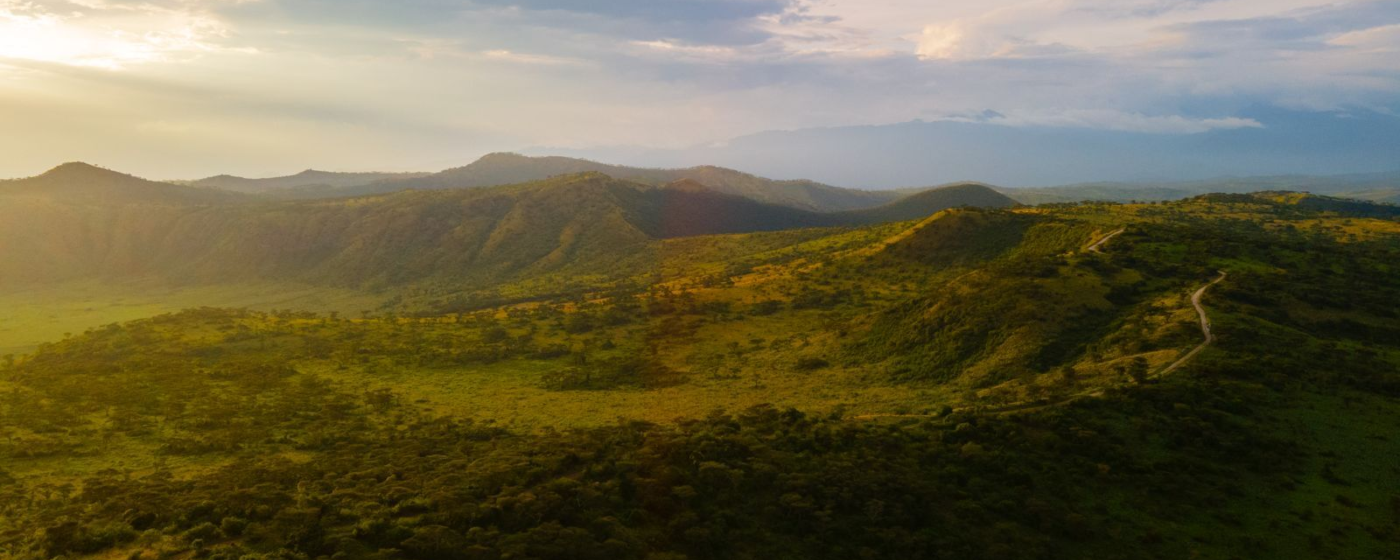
(89, 184)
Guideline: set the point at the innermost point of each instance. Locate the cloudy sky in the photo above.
(186, 88)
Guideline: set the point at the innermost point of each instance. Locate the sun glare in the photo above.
(112, 45)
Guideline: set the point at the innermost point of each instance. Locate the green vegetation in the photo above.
(586, 226)
(39, 314)
(973, 384)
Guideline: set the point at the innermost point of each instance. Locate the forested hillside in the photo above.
(977, 383)
(582, 225)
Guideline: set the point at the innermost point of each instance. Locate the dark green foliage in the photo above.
(227, 434)
(765, 483)
(811, 364)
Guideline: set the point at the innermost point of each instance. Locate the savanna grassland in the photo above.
(975, 383)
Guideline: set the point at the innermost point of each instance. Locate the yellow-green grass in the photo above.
(727, 365)
(34, 315)
(511, 394)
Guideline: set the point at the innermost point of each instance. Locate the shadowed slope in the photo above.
(505, 168)
(587, 223)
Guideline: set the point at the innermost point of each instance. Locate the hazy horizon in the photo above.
(370, 170)
(185, 89)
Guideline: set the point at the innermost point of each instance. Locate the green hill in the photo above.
(578, 224)
(926, 202)
(980, 384)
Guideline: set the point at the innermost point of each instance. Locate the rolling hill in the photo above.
(925, 202)
(586, 224)
(979, 384)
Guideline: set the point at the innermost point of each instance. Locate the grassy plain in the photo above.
(34, 315)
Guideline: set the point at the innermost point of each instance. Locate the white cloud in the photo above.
(1383, 39)
(1103, 119)
(703, 53)
(104, 35)
(525, 58)
(601, 74)
(941, 41)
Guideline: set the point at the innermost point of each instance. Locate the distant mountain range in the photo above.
(995, 149)
(506, 168)
(1372, 187)
(309, 180)
(80, 221)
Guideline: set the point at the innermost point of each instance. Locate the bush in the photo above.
(233, 526)
(811, 364)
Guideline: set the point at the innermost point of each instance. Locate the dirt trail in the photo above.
(1037, 405)
(1205, 326)
(1098, 245)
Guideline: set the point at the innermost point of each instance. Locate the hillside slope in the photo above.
(977, 385)
(587, 223)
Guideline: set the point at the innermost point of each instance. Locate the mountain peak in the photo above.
(78, 168)
(497, 157)
(89, 184)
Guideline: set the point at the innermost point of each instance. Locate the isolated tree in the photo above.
(1137, 370)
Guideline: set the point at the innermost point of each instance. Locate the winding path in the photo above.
(1035, 405)
(1098, 245)
(1205, 326)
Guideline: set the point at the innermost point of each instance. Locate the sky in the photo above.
(190, 88)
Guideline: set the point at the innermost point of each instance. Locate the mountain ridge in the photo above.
(587, 223)
(307, 179)
(502, 168)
